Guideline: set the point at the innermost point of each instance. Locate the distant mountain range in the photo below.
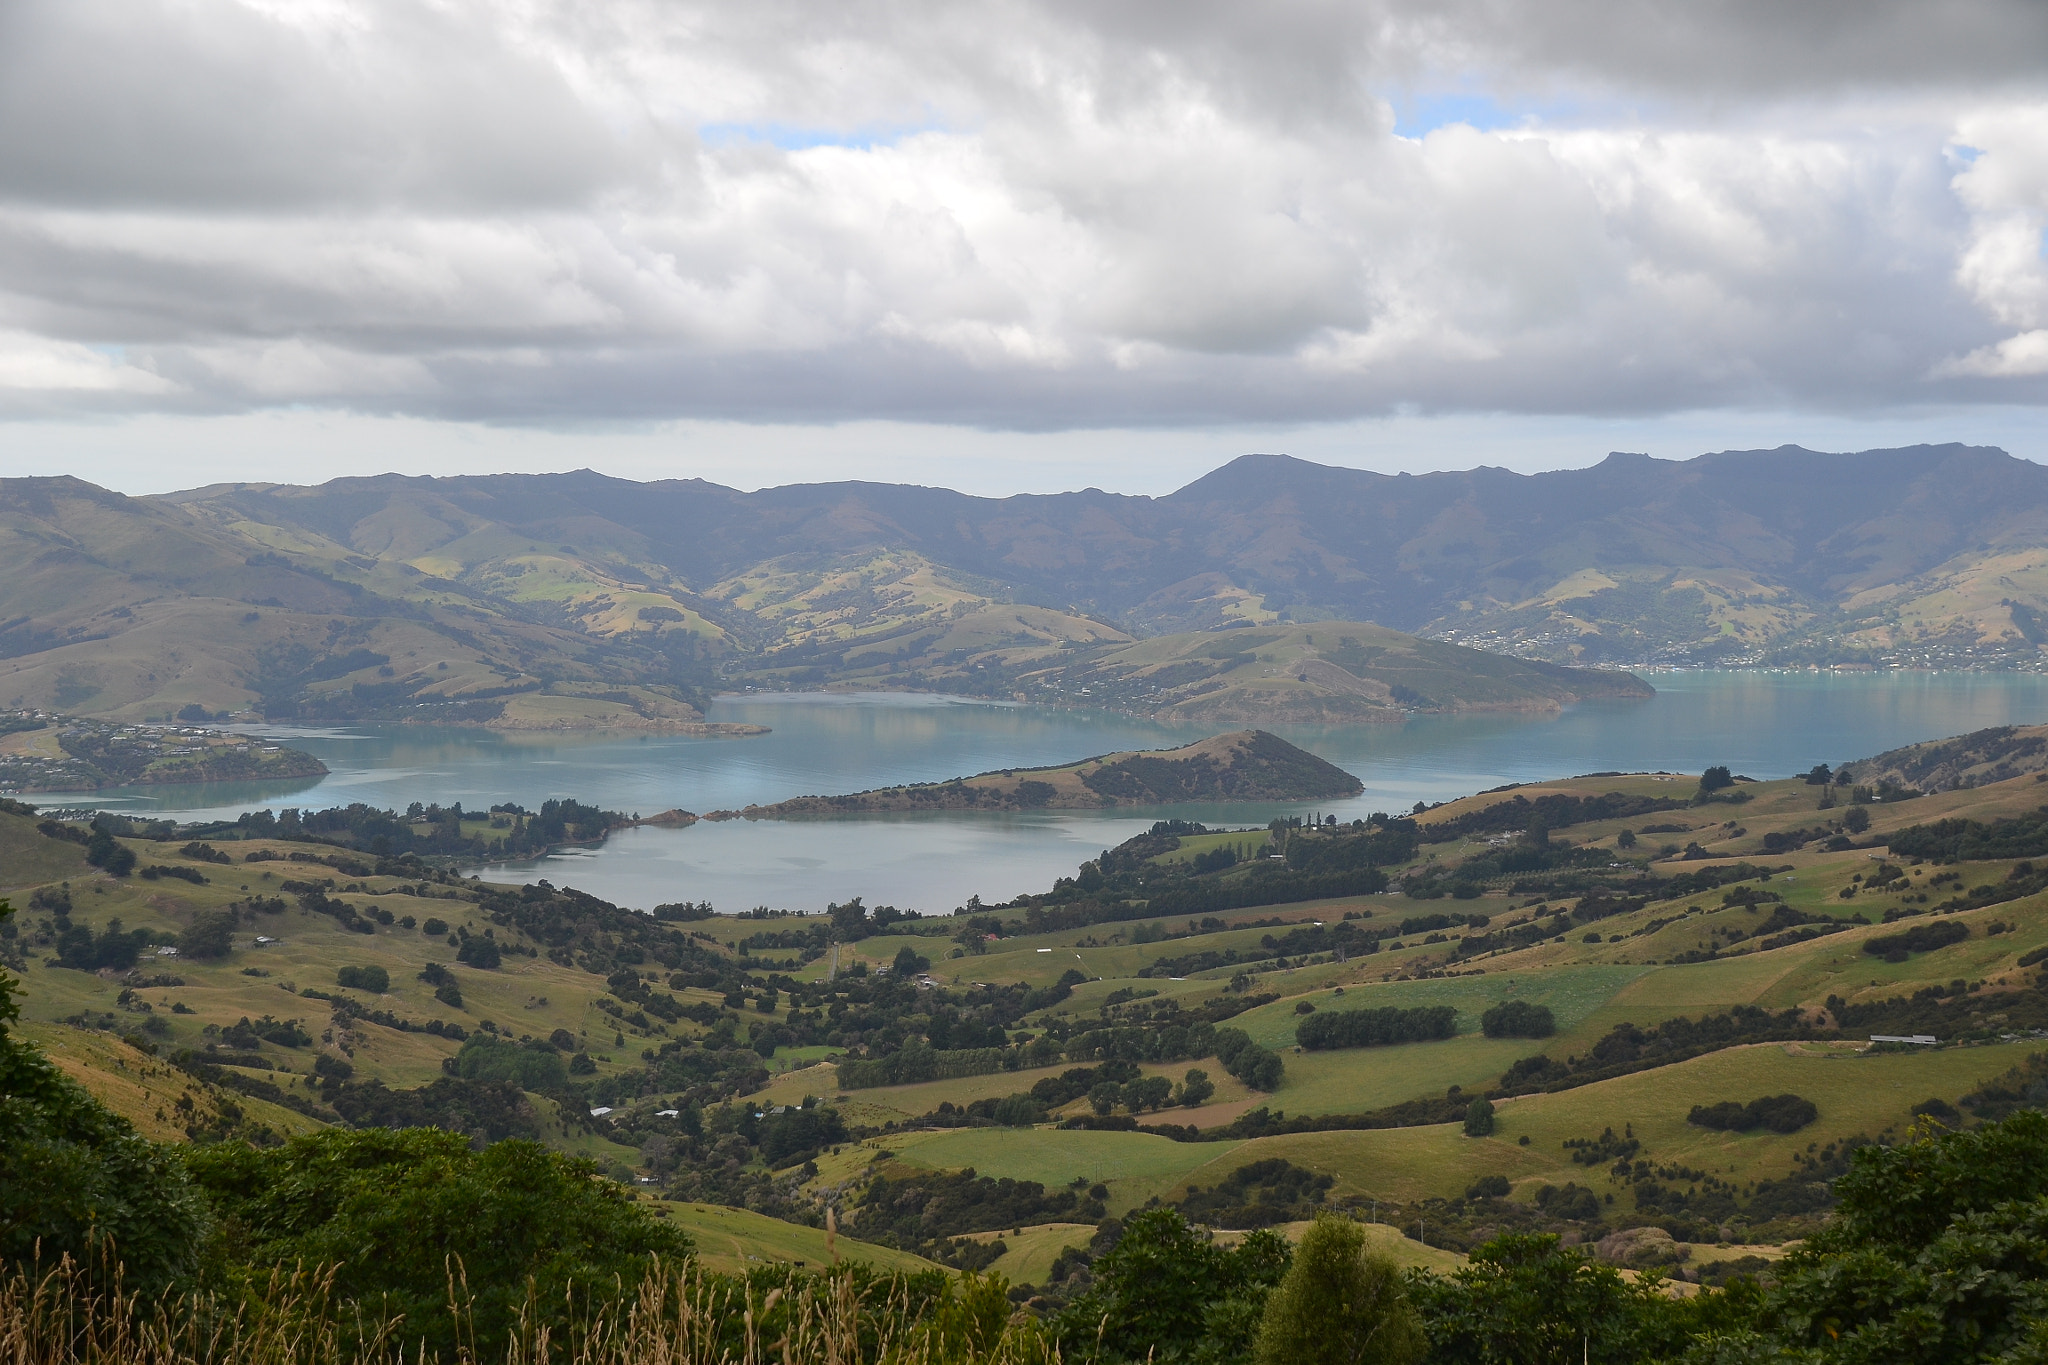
(571, 599)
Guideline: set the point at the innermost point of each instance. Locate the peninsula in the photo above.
(1245, 765)
(40, 752)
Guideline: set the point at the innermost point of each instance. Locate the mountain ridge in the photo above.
(455, 598)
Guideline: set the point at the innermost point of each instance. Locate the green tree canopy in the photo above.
(399, 1212)
(1524, 1298)
(1938, 1251)
(1166, 1292)
(1338, 1305)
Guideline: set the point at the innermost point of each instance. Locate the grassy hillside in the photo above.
(1927, 554)
(732, 1239)
(390, 599)
(1330, 671)
(1244, 598)
(135, 609)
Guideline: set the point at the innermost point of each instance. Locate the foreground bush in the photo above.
(395, 1212)
(79, 1181)
(1938, 1251)
(1166, 1292)
(1339, 1305)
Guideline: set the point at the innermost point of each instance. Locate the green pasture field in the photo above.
(27, 859)
(1862, 1095)
(1123, 1161)
(1572, 993)
(525, 997)
(1857, 1095)
(733, 1239)
(1247, 842)
(1032, 1250)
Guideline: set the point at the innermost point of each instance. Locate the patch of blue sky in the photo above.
(794, 139)
(1962, 153)
(1417, 115)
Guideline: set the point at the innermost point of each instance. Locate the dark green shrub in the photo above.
(1489, 1187)
(372, 979)
(1518, 1019)
(1376, 1027)
(211, 936)
(1479, 1118)
(530, 1066)
(1779, 1113)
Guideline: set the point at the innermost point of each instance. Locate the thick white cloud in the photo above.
(1032, 215)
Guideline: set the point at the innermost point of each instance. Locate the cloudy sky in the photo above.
(1010, 245)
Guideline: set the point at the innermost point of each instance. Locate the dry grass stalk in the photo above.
(59, 1316)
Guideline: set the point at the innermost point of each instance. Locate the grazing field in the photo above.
(734, 1239)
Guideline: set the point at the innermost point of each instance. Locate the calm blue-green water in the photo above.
(1762, 724)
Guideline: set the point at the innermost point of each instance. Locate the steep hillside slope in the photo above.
(1925, 548)
(545, 600)
(131, 608)
(1332, 671)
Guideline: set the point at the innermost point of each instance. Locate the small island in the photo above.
(42, 752)
(1245, 765)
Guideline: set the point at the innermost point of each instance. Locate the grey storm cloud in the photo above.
(1023, 215)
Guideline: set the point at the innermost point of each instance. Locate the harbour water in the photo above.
(1762, 724)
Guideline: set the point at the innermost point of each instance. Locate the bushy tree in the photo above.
(103, 852)
(1524, 1298)
(1518, 1019)
(1339, 1305)
(1479, 1118)
(1167, 1292)
(77, 1180)
(531, 1065)
(1938, 1251)
(1258, 1067)
(212, 935)
(372, 979)
(400, 1212)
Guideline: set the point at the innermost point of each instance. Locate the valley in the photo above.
(1250, 1023)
